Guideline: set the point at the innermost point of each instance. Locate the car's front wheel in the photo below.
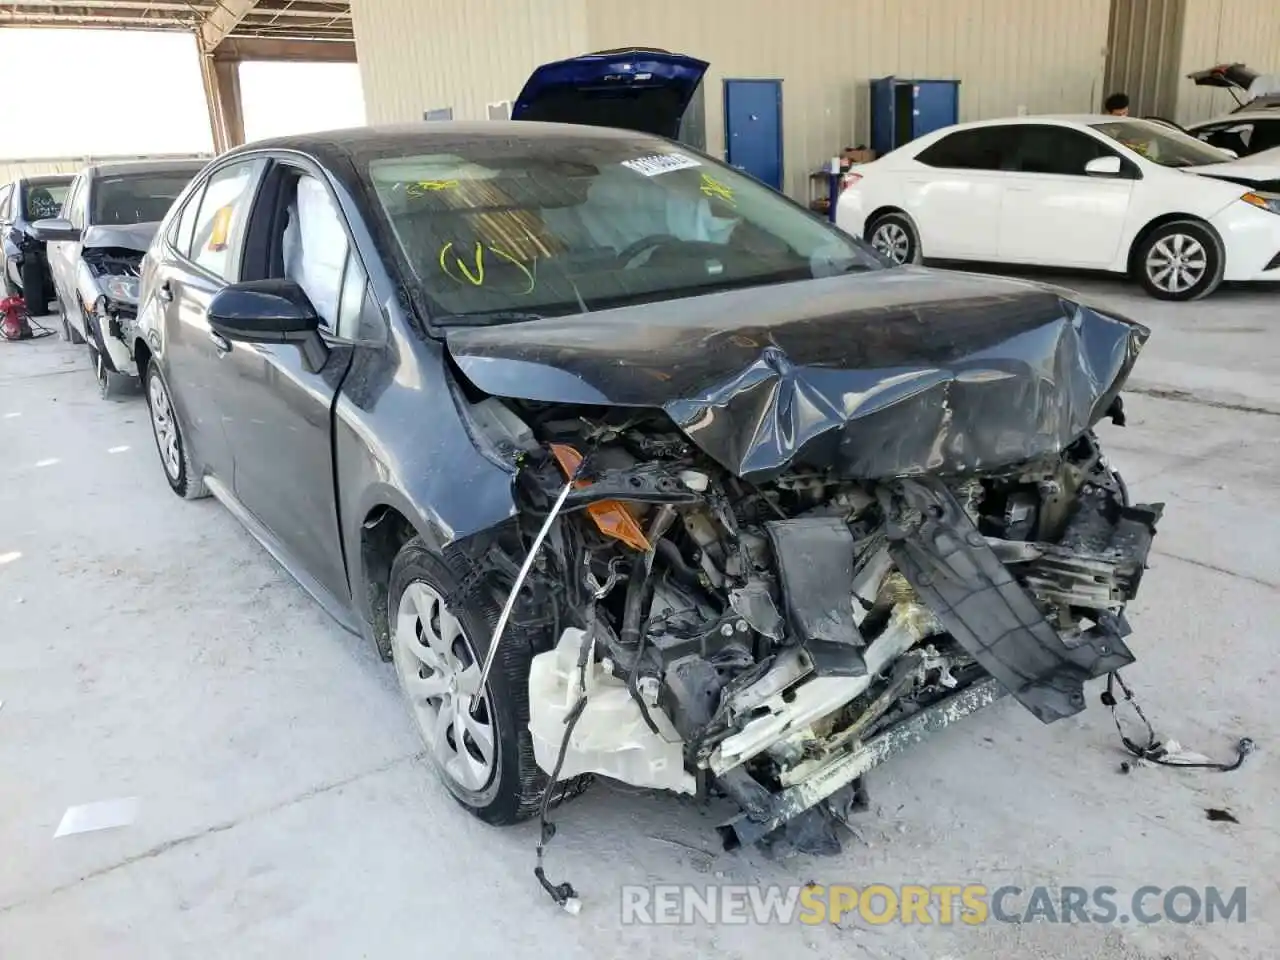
(895, 236)
(478, 740)
(1182, 260)
(175, 457)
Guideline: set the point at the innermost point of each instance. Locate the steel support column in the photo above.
(222, 98)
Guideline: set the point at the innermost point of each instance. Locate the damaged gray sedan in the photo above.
(636, 469)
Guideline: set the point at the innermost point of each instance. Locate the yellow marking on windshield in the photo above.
(711, 187)
(476, 276)
(423, 187)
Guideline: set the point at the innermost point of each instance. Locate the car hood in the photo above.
(131, 236)
(638, 89)
(1256, 168)
(895, 372)
(1232, 76)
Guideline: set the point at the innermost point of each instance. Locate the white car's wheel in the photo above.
(895, 236)
(1182, 260)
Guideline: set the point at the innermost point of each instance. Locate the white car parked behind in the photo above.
(1091, 192)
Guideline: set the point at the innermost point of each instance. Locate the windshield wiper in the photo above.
(492, 318)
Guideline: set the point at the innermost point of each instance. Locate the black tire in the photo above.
(514, 788)
(1182, 251)
(895, 236)
(185, 480)
(35, 281)
(69, 333)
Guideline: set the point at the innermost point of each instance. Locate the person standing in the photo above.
(1117, 105)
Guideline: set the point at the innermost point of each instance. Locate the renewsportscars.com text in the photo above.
(943, 904)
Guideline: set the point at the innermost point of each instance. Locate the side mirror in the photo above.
(1103, 167)
(54, 228)
(269, 311)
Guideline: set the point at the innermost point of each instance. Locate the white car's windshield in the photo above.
(1160, 144)
(505, 228)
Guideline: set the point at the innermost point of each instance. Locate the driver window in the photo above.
(313, 245)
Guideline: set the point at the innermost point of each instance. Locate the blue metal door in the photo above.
(937, 105)
(753, 128)
(882, 114)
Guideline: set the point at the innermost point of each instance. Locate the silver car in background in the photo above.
(95, 250)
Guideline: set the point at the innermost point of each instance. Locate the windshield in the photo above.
(44, 198)
(136, 197)
(507, 228)
(1160, 144)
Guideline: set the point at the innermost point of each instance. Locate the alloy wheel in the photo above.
(1177, 263)
(440, 674)
(165, 429)
(892, 240)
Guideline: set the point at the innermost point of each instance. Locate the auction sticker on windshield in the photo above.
(660, 163)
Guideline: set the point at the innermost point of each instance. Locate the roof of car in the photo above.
(122, 167)
(432, 134)
(1243, 116)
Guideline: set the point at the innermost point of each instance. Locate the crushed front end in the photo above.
(802, 534)
(774, 641)
(108, 286)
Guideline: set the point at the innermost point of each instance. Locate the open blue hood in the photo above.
(638, 89)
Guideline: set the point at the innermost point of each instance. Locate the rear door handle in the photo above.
(165, 292)
(222, 344)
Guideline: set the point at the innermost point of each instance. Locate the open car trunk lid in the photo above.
(637, 89)
(1227, 76)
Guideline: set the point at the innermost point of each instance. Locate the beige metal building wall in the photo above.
(419, 55)
(1144, 54)
(1225, 31)
(1037, 55)
(1040, 55)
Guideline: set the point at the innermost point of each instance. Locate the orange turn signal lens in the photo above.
(612, 518)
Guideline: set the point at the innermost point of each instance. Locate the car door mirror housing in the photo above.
(269, 311)
(54, 228)
(1103, 167)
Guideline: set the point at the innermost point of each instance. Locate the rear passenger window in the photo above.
(5, 193)
(220, 220)
(981, 149)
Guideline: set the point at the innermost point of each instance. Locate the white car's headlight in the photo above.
(121, 289)
(1267, 201)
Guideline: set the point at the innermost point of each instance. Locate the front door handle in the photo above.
(165, 292)
(221, 343)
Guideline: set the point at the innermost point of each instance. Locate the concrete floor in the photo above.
(149, 648)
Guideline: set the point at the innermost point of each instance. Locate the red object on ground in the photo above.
(14, 320)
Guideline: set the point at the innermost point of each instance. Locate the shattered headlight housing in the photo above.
(121, 289)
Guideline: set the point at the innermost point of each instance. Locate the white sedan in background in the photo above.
(1092, 192)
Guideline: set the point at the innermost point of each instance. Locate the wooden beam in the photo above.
(291, 51)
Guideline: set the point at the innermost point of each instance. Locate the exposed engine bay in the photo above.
(772, 641)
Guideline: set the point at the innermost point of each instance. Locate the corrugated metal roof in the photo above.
(212, 20)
